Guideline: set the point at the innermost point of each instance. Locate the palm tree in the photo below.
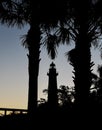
(87, 30)
(18, 13)
(38, 14)
(84, 28)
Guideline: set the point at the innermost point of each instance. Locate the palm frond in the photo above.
(12, 13)
(51, 44)
(71, 55)
(64, 35)
(24, 40)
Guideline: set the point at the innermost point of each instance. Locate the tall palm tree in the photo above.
(38, 14)
(87, 27)
(84, 28)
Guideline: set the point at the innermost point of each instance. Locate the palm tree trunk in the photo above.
(33, 57)
(83, 71)
(82, 65)
(33, 67)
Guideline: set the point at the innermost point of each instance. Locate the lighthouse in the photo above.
(52, 86)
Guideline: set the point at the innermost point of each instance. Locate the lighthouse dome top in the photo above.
(52, 65)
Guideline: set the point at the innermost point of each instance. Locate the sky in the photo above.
(14, 68)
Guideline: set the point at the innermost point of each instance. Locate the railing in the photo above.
(5, 111)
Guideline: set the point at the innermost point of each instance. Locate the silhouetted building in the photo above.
(52, 86)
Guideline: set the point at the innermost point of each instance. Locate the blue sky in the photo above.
(14, 68)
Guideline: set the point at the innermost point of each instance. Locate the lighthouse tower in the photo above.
(52, 86)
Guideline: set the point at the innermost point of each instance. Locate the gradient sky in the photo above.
(14, 68)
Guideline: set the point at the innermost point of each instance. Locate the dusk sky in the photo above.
(14, 68)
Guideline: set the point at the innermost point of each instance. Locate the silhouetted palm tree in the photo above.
(38, 14)
(87, 27)
(84, 28)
